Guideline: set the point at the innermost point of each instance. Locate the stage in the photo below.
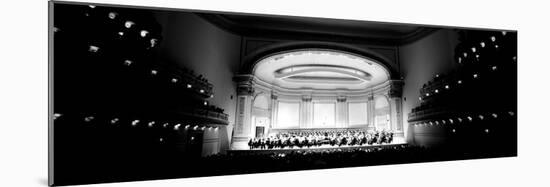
(314, 149)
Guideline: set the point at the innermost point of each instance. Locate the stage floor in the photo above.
(316, 149)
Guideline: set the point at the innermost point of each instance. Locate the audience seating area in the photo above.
(476, 104)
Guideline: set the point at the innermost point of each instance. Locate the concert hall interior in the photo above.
(143, 93)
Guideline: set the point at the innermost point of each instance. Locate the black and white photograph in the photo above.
(275, 93)
(141, 93)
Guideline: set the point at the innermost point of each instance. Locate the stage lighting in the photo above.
(494, 68)
(135, 122)
(469, 118)
(187, 126)
(481, 117)
(154, 72)
(503, 33)
(451, 120)
(150, 124)
(511, 113)
(128, 62)
(454, 130)
(495, 115)
(465, 54)
(112, 15)
(459, 81)
(446, 86)
(420, 98)
(55, 29)
(486, 130)
(161, 139)
(202, 128)
(121, 33)
(459, 60)
(436, 122)
(473, 49)
(477, 57)
(216, 128)
(436, 75)
(201, 91)
(482, 44)
(91, 6)
(427, 94)
(459, 119)
(514, 58)
(475, 75)
(444, 122)
(128, 24)
(93, 48)
(189, 86)
(496, 46)
(177, 126)
(211, 95)
(113, 121)
(436, 91)
(143, 33)
(174, 80)
(493, 39)
(165, 125)
(195, 127)
(205, 103)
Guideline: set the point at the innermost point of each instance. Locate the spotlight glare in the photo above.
(202, 91)
(482, 44)
(493, 38)
(189, 86)
(154, 72)
(446, 86)
(174, 80)
(459, 81)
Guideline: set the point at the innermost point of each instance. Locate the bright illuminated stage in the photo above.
(323, 148)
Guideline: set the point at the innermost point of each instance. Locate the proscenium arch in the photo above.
(250, 60)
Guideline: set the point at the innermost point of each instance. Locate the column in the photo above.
(396, 109)
(243, 127)
(306, 112)
(370, 112)
(274, 110)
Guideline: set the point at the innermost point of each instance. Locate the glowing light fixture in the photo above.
(128, 24)
(93, 48)
(143, 33)
(112, 15)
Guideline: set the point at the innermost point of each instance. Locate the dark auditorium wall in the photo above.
(193, 43)
(420, 61)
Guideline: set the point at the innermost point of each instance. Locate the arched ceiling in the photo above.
(320, 69)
